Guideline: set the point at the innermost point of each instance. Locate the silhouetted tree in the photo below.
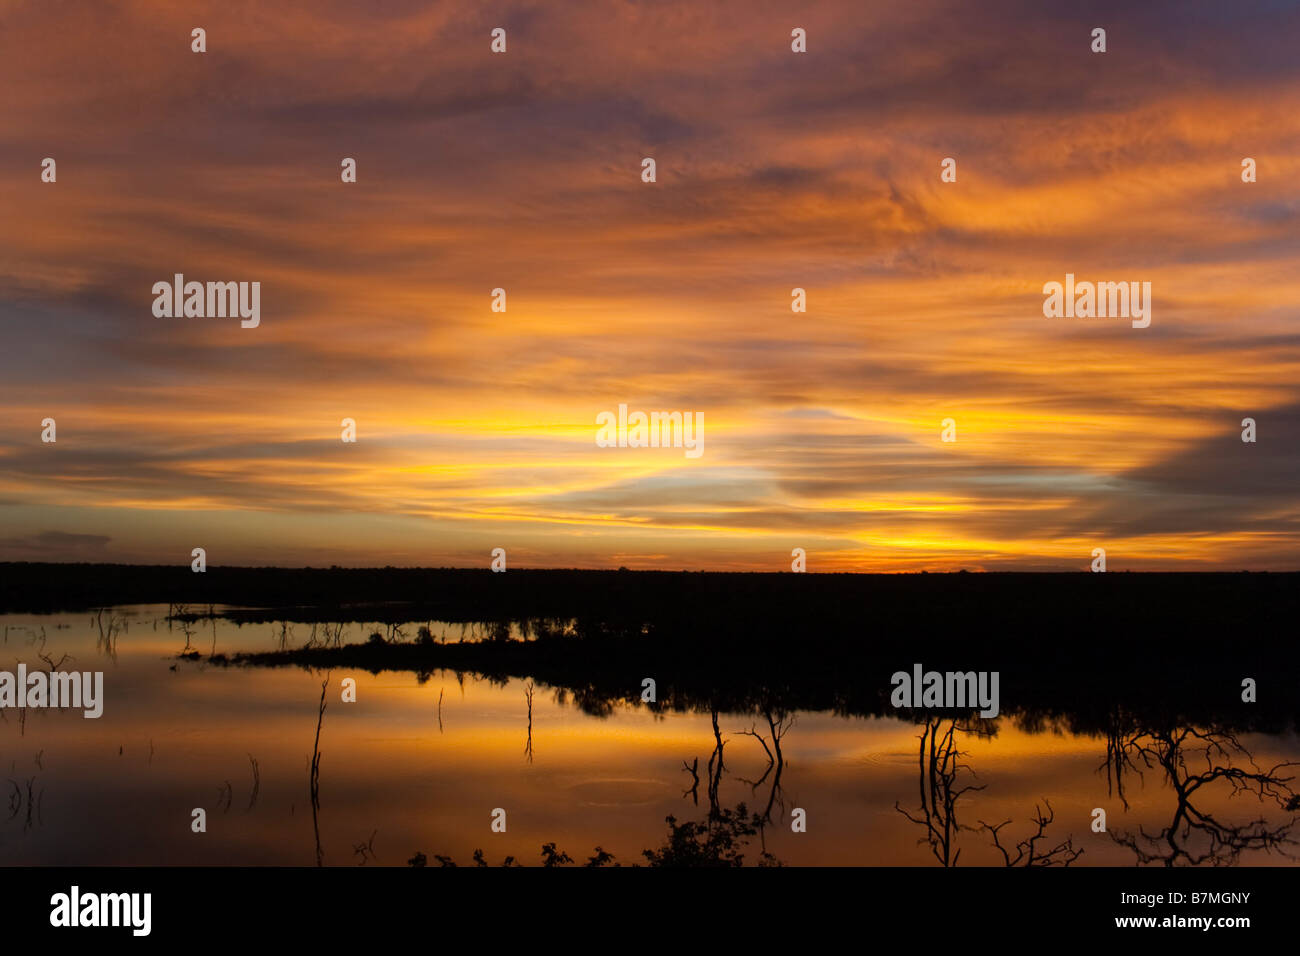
(939, 764)
(1195, 836)
(1027, 850)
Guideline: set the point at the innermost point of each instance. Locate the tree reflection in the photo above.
(941, 773)
(1195, 836)
(939, 765)
(778, 723)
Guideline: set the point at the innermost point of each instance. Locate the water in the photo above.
(400, 773)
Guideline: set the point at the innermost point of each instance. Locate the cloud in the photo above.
(776, 170)
(55, 546)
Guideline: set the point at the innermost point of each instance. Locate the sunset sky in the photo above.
(775, 170)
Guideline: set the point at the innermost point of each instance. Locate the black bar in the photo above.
(435, 906)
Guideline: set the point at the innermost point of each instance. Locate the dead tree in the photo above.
(1195, 836)
(694, 790)
(939, 765)
(1027, 850)
(528, 745)
(315, 774)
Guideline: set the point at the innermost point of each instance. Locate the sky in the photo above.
(775, 170)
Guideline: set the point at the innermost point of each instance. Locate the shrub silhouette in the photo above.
(717, 841)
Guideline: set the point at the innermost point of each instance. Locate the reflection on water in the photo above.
(412, 772)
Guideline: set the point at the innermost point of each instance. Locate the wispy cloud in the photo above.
(522, 171)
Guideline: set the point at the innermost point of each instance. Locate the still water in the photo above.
(421, 765)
